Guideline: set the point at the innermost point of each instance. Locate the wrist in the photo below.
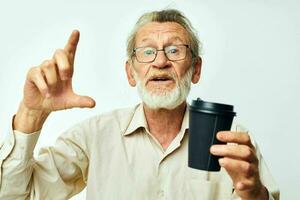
(264, 194)
(260, 194)
(29, 120)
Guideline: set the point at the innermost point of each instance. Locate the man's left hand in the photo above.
(241, 163)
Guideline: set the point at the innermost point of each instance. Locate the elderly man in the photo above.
(133, 153)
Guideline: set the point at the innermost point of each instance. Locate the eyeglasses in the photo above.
(172, 52)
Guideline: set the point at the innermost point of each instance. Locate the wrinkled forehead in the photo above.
(156, 33)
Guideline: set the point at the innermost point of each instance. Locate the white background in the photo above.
(250, 59)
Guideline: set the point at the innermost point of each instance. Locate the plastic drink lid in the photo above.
(212, 108)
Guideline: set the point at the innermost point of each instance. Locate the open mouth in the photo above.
(161, 78)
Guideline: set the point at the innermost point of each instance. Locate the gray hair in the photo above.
(169, 15)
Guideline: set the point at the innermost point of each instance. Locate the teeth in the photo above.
(160, 79)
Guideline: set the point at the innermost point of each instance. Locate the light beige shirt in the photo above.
(117, 158)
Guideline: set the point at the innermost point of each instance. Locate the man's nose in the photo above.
(161, 60)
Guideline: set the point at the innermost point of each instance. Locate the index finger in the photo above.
(71, 45)
(234, 137)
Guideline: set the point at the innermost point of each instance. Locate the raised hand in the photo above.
(48, 88)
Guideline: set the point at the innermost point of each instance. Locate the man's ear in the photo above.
(197, 70)
(129, 73)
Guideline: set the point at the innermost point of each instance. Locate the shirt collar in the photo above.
(139, 120)
(185, 121)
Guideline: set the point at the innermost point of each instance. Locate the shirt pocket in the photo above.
(198, 186)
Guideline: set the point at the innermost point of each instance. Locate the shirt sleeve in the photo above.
(58, 172)
(271, 196)
(267, 178)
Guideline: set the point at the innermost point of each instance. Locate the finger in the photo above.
(71, 45)
(78, 101)
(36, 76)
(241, 152)
(49, 70)
(245, 184)
(234, 137)
(65, 69)
(238, 169)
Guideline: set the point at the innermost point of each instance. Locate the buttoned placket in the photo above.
(161, 185)
(162, 167)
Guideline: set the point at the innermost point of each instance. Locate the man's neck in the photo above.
(165, 124)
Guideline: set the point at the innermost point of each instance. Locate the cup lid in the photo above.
(212, 107)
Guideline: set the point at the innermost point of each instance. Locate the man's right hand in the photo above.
(48, 88)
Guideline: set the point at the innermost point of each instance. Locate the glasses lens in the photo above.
(175, 52)
(145, 54)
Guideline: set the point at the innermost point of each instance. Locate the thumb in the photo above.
(81, 102)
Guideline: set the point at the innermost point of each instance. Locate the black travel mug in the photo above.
(205, 120)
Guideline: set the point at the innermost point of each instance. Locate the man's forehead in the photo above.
(170, 30)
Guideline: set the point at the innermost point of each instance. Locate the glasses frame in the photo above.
(164, 50)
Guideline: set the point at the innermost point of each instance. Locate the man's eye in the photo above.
(172, 50)
(148, 52)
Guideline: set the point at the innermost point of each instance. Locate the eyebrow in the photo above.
(174, 38)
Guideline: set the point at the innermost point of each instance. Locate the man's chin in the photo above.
(160, 91)
(161, 106)
(161, 97)
(161, 100)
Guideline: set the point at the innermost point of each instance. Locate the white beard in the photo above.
(166, 99)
